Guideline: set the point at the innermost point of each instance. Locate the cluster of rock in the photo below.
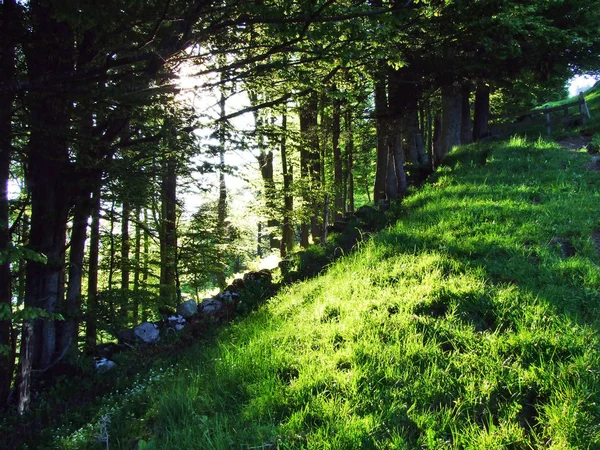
(215, 309)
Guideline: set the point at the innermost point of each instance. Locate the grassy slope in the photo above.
(462, 326)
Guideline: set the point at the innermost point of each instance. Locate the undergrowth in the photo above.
(470, 323)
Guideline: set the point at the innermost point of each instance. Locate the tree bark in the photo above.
(48, 178)
(92, 290)
(437, 142)
(72, 311)
(482, 112)
(7, 71)
(168, 289)
(309, 170)
(381, 113)
(398, 162)
(146, 266)
(287, 241)
(222, 201)
(125, 246)
(451, 118)
(466, 129)
(111, 257)
(137, 267)
(338, 178)
(350, 158)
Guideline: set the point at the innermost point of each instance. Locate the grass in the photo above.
(470, 323)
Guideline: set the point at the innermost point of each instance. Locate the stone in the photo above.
(210, 306)
(187, 309)
(176, 322)
(229, 297)
(103, 365)
(262, 276)
(147, 332)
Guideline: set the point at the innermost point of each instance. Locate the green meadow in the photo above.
(472, 322)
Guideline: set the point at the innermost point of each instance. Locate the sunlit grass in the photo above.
(464, 325)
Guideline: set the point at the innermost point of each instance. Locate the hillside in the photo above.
(471, 323)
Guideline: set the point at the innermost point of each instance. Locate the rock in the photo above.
(262, 276)
(147, 332)
(229, 297)
(176, 322)
(103, 365)
(210, 306)
(187, 309)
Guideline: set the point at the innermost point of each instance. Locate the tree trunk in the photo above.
(350, 159)
(168, 289)
(309, 170)
(391, 188)
(317, 173)
(429, 128)
(381, 113)
(482, 112)
(146, 267)
(338, 178)
(72, 312)
(437, 144)
(7, 71)
(125, 213)
(111, 257)
(398, 162)
(466, 130)
(92, 290)
(222, 201)
(451, 118)
(287, 241)
(51, 52)
(137, 267)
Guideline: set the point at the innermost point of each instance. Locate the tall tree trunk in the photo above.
(146, 267)
(317, 166)
(429, 134)
(309, 169)
(168, 289)
(350, 158)
(437, 142)
(451, 117)
(72, 312)
(287, 241)
(381, 113)
(125, 246)
(338, 177)
(466, 129)
(222, 202)
(48, 177)
(482, 111)
(391, 188)
(111, 257)
(398, 162)
(92, 288)
(7, 64)
(137, 266)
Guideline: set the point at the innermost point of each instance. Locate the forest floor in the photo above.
(470, 323)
